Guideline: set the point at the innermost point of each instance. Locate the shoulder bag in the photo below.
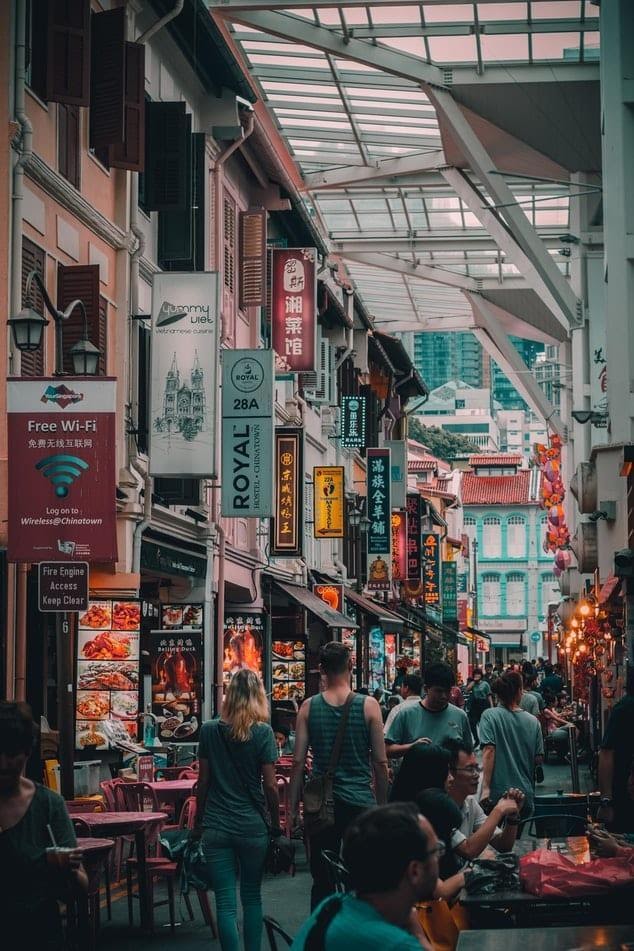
(280, 855)
(319, 804)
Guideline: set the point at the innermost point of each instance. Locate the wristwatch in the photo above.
(606, 801)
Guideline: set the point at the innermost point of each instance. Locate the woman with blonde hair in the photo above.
(237, 754)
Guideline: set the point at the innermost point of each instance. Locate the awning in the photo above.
(385, 618)
(610, 587)
(478, 633)
(316, 606)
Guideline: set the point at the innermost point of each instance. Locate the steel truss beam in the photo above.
(234, 5)
(392, 168)
(461, 241)
(429, 272)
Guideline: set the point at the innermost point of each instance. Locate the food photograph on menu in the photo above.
(288, 670)
(176, 665)
(243, 644)
(107, 681)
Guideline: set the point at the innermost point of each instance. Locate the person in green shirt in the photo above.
(391, 855)
(479, 693)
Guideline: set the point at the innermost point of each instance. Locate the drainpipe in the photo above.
(144, 482)
(152, 30)
(349, 328)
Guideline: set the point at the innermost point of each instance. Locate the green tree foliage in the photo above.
(441, 444)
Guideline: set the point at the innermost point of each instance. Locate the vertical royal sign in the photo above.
(379, 512)
(293, 308)
(413, 508)
(247, 433)
(287, 527)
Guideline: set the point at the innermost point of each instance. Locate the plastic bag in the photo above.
(179, 845)
(493, 875)
(552, 875)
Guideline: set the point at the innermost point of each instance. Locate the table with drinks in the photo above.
(605, 937)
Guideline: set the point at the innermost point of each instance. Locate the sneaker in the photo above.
(539, 774)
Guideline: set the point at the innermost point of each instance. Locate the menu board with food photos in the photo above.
(107, 685)
(176, 662)
(288, 674)
(243, 644)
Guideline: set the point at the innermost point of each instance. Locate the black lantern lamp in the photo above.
(357, 517)
(27, 329)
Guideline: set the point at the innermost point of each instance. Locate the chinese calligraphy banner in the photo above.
(398, 471)
(413, 508)
(354, 411)
(379, 513)
(431, 568)
(286, 527)
(399, 546)
(449, 592)
(328, 502)
(293, 308)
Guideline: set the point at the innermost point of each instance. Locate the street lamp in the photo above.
(28, 326)
(357, 517)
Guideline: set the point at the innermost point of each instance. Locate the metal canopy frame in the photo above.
(362, 93)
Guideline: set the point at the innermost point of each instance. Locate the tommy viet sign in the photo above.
(184, 357)
(61, 434)
(62, 586)
(247, 433)
(286, 527)
(328, 487)
(414, 510)
(354, 410)
(293, 308)
(379, 513)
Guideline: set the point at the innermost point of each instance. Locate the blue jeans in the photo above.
(228, 856)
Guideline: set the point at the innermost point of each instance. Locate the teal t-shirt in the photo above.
(229, 808)
(357, 925)
(481, 690)
(415, 721)
(517, 738)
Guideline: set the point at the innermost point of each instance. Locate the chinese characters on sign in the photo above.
(328, 487)
(414, 505)
(286, 527)
(379, 513)
(431, 569)
(243, 644)
(353, 421)
(449, 592)
(399, 546)
(398, 471)
(176, 659)
(293, 310)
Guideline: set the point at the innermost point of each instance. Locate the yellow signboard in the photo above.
(329, 497)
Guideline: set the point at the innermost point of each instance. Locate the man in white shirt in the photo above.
(478, 830)
(410, 692)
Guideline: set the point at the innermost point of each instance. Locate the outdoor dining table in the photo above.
(606, 937)
(138, 824)
(95, 853)
(172, 790)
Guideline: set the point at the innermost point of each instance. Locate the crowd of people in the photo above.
(406, 804)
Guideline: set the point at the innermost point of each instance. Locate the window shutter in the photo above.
(33, 259)
(253, 254)
(181, 234)
(37, 42)
(229, 239)
(143, 391)
(68, 118)
(107, 84)
(68, 52)
(167, 156)
(80, 282)
(131, 154)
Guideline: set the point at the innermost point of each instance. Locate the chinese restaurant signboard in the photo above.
(330, 594)
(431, 569)
(354, 411)
(287, 526)
(184, 354)
(449, 592)
(247, 433)
(399, 546)
(293, 308)
(413, 508)
(61, 493)
(328, 487)
(243, 644)
(379, 513)
(176, 663)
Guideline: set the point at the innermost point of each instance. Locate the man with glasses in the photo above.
(478, 830)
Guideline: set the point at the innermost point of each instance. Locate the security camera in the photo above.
(581, 415)
(624, 563)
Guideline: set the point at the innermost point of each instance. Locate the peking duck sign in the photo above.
(62, 469)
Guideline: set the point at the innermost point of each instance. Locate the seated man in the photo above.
(478, 830)
(391, 855)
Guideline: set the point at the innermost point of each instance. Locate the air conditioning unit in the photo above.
(585, 548)
(320, 387)
(583, 486)
(360, 347)
(330, 421)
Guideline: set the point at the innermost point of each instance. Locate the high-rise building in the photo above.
(547, 372)
(503, 390)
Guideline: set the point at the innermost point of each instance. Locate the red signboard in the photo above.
(331, 594)
(293, 308)
(399, 546)
(414, 561)
(62, 469)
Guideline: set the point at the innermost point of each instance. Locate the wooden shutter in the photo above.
(167, 156)
(143, 389)
(131, 154)
(37, 42)
(253, 253)
(229, 241)
(107, 84)
(68, 118)
(181, 234)
(73, 283)
(33, 259)
(68, 52)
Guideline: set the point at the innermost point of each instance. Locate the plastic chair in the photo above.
(274, 931)
(554, 826)
(188, 773)
(83, 831)
(84, 804)
(107, 787)
(338, 871)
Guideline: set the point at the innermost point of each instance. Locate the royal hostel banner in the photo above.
(247, 433)
(184, 357)
(379, 513)
(293, 308)
(62, 469)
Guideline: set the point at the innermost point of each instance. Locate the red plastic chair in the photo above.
(84, 805)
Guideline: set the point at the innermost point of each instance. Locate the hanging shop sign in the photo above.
(449, 592)
(376, 659)
(247, 433)
(176, 664)
(354, 418)
(61, 469)
(293, 308)
(431, 568)
(328, 503)
(379, 513)
(288, 670)
(398, 471)
(331, 594)
(184, 355)
(287, 526)
(107, 684)
(413, 507)
(399, 546)
(243, 643)
(463, 605)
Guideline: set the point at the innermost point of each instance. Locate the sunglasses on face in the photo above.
(475, 770)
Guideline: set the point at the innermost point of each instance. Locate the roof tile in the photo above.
(497, 490)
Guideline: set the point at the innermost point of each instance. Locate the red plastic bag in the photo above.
(552, 875)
